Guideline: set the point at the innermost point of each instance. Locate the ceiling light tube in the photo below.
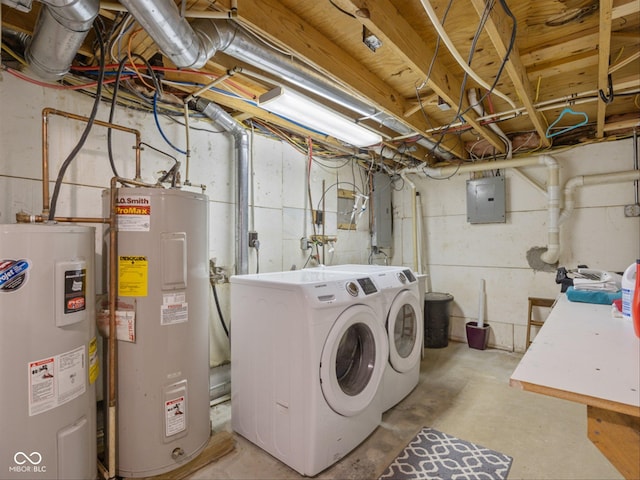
(305, 111)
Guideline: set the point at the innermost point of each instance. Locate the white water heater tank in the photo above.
(48, 352)
(163, 353)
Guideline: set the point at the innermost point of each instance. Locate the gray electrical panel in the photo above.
(486, 200)
(382, 213)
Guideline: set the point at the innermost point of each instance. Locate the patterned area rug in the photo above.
(435, 455)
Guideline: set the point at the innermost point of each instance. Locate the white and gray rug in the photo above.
(433, 455)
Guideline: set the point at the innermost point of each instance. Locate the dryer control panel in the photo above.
(368, 287)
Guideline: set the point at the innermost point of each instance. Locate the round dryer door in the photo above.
(404, 327)
(353, 360)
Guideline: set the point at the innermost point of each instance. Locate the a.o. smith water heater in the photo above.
(163, 352)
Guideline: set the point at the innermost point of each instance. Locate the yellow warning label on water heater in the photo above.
(133, 276)
(94, 367)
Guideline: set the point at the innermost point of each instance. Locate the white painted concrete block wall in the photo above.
(278, 195)
(459, 254)
(456, 253)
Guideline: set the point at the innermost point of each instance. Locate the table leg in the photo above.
(617, 436)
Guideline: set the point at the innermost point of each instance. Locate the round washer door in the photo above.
(404, 327)
(353, 360)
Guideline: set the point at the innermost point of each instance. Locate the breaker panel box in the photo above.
(486, 200)
(382, 212)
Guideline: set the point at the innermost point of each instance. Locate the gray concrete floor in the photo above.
(463, 392)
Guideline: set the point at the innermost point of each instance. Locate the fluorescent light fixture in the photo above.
(306, 112)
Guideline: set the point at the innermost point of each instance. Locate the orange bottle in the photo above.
(635, 304)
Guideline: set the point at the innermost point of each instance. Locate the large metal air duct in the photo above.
(171, 32)
(241, 141)
(191, 45)
(60, 30)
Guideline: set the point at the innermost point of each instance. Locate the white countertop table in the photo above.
(583, 354)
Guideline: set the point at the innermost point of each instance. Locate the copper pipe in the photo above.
(112, 341)
(22, 217)
(45, 147)
(45, 166)
(81, 220)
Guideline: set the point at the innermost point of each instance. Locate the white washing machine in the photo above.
(308, 353)
(403, 317)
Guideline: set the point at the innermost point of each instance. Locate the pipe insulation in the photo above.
(191, 45)
(241, 144)
(60, 30)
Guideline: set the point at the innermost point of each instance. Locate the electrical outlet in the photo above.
(318, 217)
(632, 210)
(305, 244)
(253, 239)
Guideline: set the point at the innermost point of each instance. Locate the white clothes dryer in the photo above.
(403, 317)
(308, 353)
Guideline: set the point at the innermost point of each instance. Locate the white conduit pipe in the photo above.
(599, 179)
(447, 41)
(414, 222)
(553, 189)
(419, 234)
(473, 101)
(553, 206)
(474, 167)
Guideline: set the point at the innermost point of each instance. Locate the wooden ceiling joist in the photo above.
(604, 52)
(283, 26)
(498, 27)
(387, 23)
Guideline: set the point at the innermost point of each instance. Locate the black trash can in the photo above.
(437, 307)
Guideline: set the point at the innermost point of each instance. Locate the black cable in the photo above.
(172, 171)
(334, 167)
(335, 185)
(215, 296)
(115, 97)
(460, 113)
(609, 97)
(112, 110)
(198, 129)
(431, 64)
(85, 133)
(160, 151)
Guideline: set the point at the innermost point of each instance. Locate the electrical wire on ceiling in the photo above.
(442, 34)
(130, 78)
(460, 112)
